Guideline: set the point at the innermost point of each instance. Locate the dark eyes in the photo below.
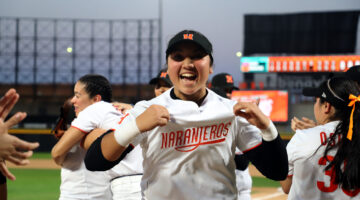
(180, 57)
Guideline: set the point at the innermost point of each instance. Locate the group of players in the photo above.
(191, 142)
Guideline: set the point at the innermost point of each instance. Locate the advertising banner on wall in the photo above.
(273, 103)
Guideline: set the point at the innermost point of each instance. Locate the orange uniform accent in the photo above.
(353, 99)
(188, 36)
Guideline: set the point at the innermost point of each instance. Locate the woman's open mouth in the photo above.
(188, 76)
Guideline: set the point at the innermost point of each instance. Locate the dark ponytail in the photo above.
(346, 162)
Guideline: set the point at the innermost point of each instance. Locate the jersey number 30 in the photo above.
(332, 187)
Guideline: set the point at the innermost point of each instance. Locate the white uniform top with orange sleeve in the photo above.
(192, 157)
(307, 164)
(96, 185)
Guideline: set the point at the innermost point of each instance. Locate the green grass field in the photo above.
(40, 184)
(43, 184)
(34, 184)
(41, 155)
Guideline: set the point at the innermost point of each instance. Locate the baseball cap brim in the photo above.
(325, 92)
(311, 92)
(154, 81)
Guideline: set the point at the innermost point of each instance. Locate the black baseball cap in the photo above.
(162, 75)
(353, 73)
(219, 92)
(192, 36)
(325, 92)
(223, 80)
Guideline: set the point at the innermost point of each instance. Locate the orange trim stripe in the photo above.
(122, 119)
(252, 147)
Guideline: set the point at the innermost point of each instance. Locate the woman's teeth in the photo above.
(188, 76)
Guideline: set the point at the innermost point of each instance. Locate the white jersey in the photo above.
(306, 166)
(98, 115)
(243, 182)
(79, 183)
(192, 157)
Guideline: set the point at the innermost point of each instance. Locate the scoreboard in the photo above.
(334, 63)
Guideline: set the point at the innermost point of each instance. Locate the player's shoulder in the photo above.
(101, 106)
(213, 97)
(328, 127)
(312, 134)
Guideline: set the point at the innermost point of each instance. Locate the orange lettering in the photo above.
(226, 128)
(213, 131)
(187, 136)
(188, 36)
(178, 138)
(229, 79)
(164, 140)
(163, 74)
(204, 137)
(171, 139)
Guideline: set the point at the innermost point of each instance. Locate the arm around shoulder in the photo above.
(71, 137)
(104, 153)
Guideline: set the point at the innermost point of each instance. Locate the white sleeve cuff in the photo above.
(270, 133)
(126, 131)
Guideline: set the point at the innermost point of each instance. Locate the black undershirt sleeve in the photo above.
(270, 158)
(95, 160)
(2, 179)
(241, 162)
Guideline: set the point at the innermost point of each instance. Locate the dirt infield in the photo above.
(37, 164)
(258, 193)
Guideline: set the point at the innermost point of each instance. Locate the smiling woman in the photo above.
(189, 133)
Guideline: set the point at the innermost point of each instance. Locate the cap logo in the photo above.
(188, 36)
(163, 74)
(323, 95)
(229, 79)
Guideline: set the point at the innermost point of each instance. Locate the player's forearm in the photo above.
(71, 137)
(59, 160)
(110, 148)
(104, 153)
(58, 154)
(270, 158)
(286, 184)
(270, 133)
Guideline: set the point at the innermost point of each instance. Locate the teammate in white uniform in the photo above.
(93, 113)
(223, 85)
(311, 175)
(352, 73)
(189, 134)
(124, 177)
(76, 181)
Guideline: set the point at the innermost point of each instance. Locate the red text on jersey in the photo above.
(191, 138)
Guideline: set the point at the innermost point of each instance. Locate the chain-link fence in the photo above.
(59, 51)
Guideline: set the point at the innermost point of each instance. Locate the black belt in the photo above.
(125, 176)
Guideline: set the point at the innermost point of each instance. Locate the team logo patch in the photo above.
(229, 79)
(163, 74)
(323, 95)
(191, 138)
(188, 36)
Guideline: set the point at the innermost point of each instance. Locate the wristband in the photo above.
(126, 131)
(270, 133)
